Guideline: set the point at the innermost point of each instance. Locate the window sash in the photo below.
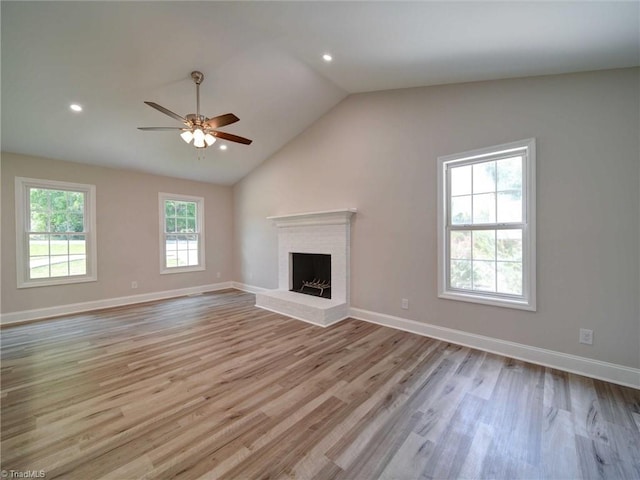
(495, 260)
(78, 266)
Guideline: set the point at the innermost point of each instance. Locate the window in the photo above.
(55, 232)
(181, 233)
(486, 225)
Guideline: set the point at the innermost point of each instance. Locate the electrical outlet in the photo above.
(405, 304)
(586, 336)
(134, 284)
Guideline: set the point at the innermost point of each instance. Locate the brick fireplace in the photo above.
(318, 233)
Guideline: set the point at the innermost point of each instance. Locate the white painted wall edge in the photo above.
(610, 372)
(29, 315)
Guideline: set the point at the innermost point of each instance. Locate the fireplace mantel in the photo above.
(328, 217)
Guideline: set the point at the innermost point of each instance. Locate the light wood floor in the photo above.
(212, 387)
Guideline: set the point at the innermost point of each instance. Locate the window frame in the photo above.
(199, 201)
(23, 211)
(527, 301)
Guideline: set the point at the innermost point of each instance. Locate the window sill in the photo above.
(486, 300)
(48, 282)
(166, 271)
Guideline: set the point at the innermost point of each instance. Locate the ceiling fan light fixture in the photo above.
(198, 138)
(198, 135)
(187, 136)
(210, 139)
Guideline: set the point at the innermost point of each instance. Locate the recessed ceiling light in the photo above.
(326, 57)
(75, 107)
(223, 147)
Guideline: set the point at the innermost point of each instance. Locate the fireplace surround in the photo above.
(319, 233)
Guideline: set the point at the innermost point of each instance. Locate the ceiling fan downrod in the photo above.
(197, 78)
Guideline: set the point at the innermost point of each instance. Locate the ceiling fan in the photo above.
(197, 127)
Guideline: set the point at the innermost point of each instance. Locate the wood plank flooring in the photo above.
(212, 387)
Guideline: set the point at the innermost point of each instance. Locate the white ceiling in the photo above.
(262, 61)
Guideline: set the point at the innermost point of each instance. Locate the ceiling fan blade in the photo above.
(158, 129)
(221, 120)
(231, 138)
(160, 108)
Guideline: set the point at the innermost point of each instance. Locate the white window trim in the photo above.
(528, 301)
(22, 185)
(162, 196)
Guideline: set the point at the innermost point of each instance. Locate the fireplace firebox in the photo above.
(311, 274)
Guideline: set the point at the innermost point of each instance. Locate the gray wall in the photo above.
(377, 152)
(128, 233)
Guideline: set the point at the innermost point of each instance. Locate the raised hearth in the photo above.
(316, 233)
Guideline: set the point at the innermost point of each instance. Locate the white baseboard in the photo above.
(248, 288)
(610, 372)
(29, 315)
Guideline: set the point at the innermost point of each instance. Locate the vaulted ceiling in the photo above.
(263, 62)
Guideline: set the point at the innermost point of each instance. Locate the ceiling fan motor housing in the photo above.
(197, 77)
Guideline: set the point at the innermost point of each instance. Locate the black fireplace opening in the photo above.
(311, 274)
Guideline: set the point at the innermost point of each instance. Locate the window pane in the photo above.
(461, 180)
(39, 267)
(58, 222)
(181, 225)
(484, 276)
(39, 199)
(509, 173)
(509, 243)
(510, 278)
(75, 201)
(460, 246)
(38, 245)
(484, 177)
(193, 258)
(191, 225)
(169, 208)
(39, 221)
(510, 206)
(181, 209)
(484, 245)
(60, 266)
(58, 201)
(78, 244)
(170, 225)
(461, 274)
(461, 210)
(182, 242)
(171, 243)
(484, 208)
(75, 222)
(78, 265)
(172, 259)
(59, 245)
(183, 258)
(191, 209)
